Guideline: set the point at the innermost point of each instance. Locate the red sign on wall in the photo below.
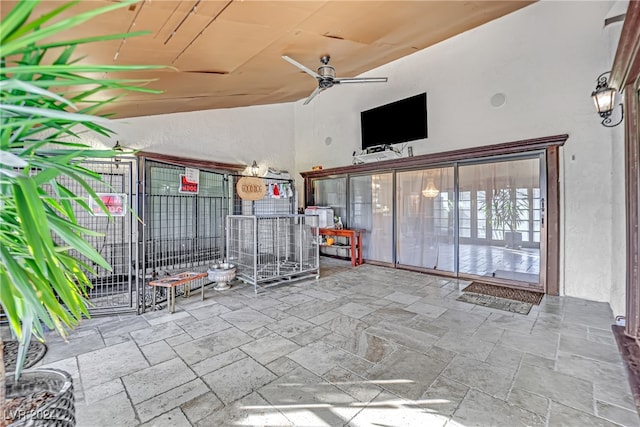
(114, 202)
(187, 186)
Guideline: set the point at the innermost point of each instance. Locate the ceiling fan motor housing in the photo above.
(327, 74)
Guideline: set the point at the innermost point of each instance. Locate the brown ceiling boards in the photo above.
(229, 53)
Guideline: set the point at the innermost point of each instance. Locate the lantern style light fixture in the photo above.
(604, 97)
(254, 168)
(119, 149)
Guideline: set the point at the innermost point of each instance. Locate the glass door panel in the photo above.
(371, 208)
(500, 211)
(332, 192)
(425, 218)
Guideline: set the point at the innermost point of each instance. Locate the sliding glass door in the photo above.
(425, 218)
(481, 217)
(371, 207)
(500, 210)
(489, 224)
(332, 192)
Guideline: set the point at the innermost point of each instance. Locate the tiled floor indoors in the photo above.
(364, 346)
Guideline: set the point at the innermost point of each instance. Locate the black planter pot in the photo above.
(59, 411)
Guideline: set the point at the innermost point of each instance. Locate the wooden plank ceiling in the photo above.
(228, 53)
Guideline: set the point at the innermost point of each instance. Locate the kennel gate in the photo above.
(181, 231)
(273, 249)
(116, 290)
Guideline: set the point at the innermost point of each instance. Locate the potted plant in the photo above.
(504, 211)
(47, 96)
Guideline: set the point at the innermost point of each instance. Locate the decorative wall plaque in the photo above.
(251, 188)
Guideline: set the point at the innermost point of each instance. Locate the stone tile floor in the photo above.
(360, 346)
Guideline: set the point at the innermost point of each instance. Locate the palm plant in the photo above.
(47, 98)
(505, 210)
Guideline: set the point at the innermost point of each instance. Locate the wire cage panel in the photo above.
(273, 249)
(117, 289)
(182, 231)
(279, 200)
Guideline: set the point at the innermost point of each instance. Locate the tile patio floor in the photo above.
(365, 346)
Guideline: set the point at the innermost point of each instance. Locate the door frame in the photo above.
(625, 77)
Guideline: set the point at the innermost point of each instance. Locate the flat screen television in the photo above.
(400, 121)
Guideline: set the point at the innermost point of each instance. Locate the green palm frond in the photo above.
(48, 98)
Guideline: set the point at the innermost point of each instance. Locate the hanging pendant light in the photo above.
(430, 190)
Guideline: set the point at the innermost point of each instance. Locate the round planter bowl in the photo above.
(58, 411)
(222, 274)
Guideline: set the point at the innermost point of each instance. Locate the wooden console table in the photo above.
(355, 241)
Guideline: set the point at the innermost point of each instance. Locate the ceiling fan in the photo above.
(326, 76)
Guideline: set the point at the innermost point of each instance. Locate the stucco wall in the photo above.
(239, 135)
(545, 58)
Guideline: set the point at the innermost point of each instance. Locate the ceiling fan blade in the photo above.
(360, 80)
(313, 94)
(302, 67)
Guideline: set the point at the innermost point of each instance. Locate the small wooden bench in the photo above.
(172, 282)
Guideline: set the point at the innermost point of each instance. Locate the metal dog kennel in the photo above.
(273, 249)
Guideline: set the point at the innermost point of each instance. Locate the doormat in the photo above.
(495, 302)
(35, 352)
(501, 298)
(504, 292)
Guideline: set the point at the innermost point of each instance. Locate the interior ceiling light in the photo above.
(604, 98)
(430, 190)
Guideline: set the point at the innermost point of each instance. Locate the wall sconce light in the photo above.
(119, 149)
(604, 98)
(430, 190)
(254, 168)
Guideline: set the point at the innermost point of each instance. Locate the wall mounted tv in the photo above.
(401, 121)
